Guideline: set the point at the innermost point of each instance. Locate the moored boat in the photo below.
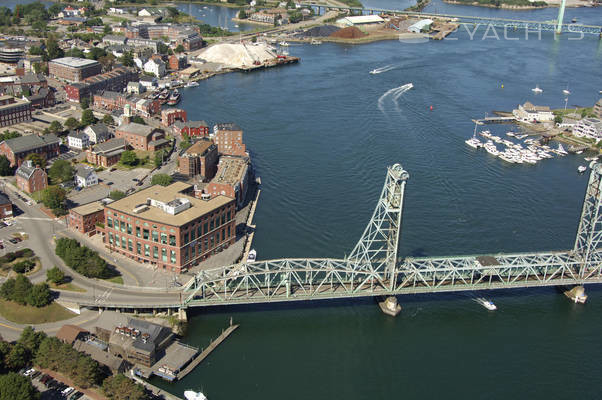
(174, 98)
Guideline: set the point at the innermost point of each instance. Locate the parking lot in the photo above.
(52, 389)
(122, 180)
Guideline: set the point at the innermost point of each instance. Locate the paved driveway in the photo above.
(121, 180)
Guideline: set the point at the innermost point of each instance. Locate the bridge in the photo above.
(374, 269)
(507, 23)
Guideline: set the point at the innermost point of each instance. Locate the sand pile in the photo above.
(350, 32)
(237, 55)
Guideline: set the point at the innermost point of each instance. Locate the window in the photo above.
(129, 229)
(122, 226)
(137, 231)
(155, 236)
(130, 245)
(186, 237)
(164, 254)
(117, 240)
(138, 248)
(223, 220)
(228, 234)
(145, 234)
(186, 254)
(155, 252)
(228, 216)
(212, 223)
(192, 232)
(199, 231)
(223, 235)
(205, 227)
(172, 240)
(123, 242)
(172, 257)
(109, 222)
(205, 244)
(110, 237)
(192, 251)
(163, 238)
(146, 250)
(212, 241)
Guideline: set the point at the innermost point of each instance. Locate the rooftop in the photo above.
(4, 199)
(68, 333)
(31, 142)
(75, 62)
(227, 126)
(15, 103)
(364, 19)
(230, 170)
(199, 148)
(110, 145)
(165, 195)
(135, 129)
(89, 208)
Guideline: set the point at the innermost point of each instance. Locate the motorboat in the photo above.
(581, 169)
(174, 98)
(283, 44)
(474, 143)
(561, 150)
(374, 71)
(511, 134)
(536, 89)
(591, 158)
(192, 395)
(316, 41)
(488, 304)
(192, 84)
(252, 256)
(566, 91)
(163, 96)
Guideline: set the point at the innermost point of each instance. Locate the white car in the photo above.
(29, 372)
(67, 391)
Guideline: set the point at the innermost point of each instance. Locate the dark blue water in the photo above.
(321, 143)
(216, 16)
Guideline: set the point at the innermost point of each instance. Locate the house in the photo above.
(114, 39)
(97, 133)
(31, 178)
(85, 176)
(149, 82)
(70, 333)
(84, 218)
(97, 350)
(107, 153)
(530, 113)
(43, 98)
(135, 88)
(6, 207)
(177, 62)
(192, 128)
(78, 140)
(170, 116)
(141, 137)
(155, 67)
(231, 179)
(588, 127)
(17, 149)
(150, 12)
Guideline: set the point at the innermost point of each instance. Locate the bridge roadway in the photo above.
(535, 26)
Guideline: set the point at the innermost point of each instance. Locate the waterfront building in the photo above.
(170, 116)
(192, 128)
(598, 109)
(228, 138)
(420, 26)
(107, 153)
(167, 227)
(115, 80)
(70, 333)
(97, 133)
(97, 350)
(6, 207)
(200, 159)
(155, 66)
(78, 140)
(588, 127)
(530, 113)
(14, 111)
(113, 101)
(177, 62)
(142, 137)
(135, 88)
(31, 178)
(85, 176)
(231, 180)
(73, 69)
(149, 82)
(17, 149)
(84, 218)
(360, 20)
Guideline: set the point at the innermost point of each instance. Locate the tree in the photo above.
(75, 52)
(40, 68)
(129, 157)
(88, 118)
(558, 119)
(159, 156)
(161, 179)
(37, 159)
(138, 120)
(55, 275)
(53, 49)
(55, 127)
(242, 14)
(162, 48)
(120, 387)
(14, 386)
(84, 102)
(116, 195)
(127, 59)
(179, 49)
(108, 120)
(31, 339)
(71, 123)
(62, 171)
(96, 52)
(54, 197)
(5, 168)
(21, 289)
(107, 29)
(40, 295)
(18, 357)
(107, 61)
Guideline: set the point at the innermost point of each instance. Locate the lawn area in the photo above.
(7, 267)
(115, 279)
(66, 286)
(32, 315)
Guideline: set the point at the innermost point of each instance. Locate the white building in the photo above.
(97, 133)
(588, 127)
(135, 87)
(360, 20)
(78, 140)
(155, 67)
(529, 113)
(149, 82)
(423, 24)
(85, 176)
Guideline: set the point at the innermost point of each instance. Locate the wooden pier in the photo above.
(198, 359)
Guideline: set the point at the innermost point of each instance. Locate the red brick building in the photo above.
(73, 69)
(31, 178)
(17, 149)
(231, 180)
(6, 207)
(141, 137)
(111, 101)
(115, 80)
(177, 62)
(166, 227)
(192, 128)
(84, 218)
(170, 116)
(13, 111)
(43, 98)
(106, 153)
(228, 138)
(200, 159)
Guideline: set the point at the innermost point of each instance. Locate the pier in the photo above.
(205, 353)
(250, 226)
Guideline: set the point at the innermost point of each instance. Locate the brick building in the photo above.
(166, 227)
(228, 138)
(115, 80)
(200, 159)
(170, 116)
(84, 218)
(6, 207)
(107, 153)
(141, 137)
(177, 62)
(17, 149)
(73, 69)
(31, 178)
(43, 98)
(14, 111)
(231, 180)
(111, 101)
(192, 128)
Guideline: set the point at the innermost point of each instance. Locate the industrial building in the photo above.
(73, 69)
(14, 111)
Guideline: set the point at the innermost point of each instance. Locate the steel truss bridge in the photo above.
(374, 269)
(506, 23)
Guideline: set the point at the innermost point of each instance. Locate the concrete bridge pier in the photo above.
(182, 316)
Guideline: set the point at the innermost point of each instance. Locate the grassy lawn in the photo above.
(32, 315)
(66, 286)
(115, 279)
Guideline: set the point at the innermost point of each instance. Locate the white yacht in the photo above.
(510, 133)
(561, 150)
(192, 84)
(192, 395)
(374, 71)
(474, 143)
(252, 256)
(581, 169)
(488, 304)
(591, 158)
(536, 89)
(491, 149)
(520, 137)
(283, 44)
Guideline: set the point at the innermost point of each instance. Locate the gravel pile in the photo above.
(321, 31)
(350, 32)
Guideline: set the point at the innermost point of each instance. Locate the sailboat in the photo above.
(566, 91)
(536, 89)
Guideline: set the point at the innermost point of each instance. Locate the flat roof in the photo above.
(230, 170)
(166, 194)
(136, 129)
(89, 208)
(364, 19)
(75, 62)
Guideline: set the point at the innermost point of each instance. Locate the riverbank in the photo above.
(516, 7)
(250, 22)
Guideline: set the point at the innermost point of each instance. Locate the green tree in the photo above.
(55, 275)
(107, 29)
(37, 159)
(558, 119)
(71, 123)
(40, 68)
(162, 48)
(31, 339)
(129, 157)
(116, 195)
(127, 59)
(96, 52)
(21, 289)
(7, 289)
(242, 14)
(55, 198)
(159, 157)
(55, 127)
(107, 119)
(120, 387)
(5, 168)
(18, 357)
(84, 102)
(40, 295)
(88, 118)
(138, 120)
(53, 49)
(179, 49)
(107, 62)
(75, 52)
(62, 171)
(161, 179)
(14, 386)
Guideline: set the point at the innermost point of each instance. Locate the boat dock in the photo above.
(207, 351)
(155, 390)
(250, 226)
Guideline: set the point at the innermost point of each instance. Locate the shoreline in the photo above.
(509, 6)
(250, 22)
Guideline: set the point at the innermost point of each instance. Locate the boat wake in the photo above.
(393, 94)
(383, 69)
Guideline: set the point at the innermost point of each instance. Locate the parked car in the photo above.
(65, 392)
(76, 396)
(35, 375)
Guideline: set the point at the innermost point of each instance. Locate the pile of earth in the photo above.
(350, 32)
(321, 31)
(237, 54)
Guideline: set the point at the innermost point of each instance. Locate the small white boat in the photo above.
(511, 134)
(474, 143)
(536, 89)
(374, 71)
(192, 84)
(236, 26)
(581, 169)
(488, 304)
(283, 44)
(591, 158)
(192, 395)
(316, 42)
(252, 256)
(561, 149)
(566, 91)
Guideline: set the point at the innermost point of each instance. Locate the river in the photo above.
(321, 143)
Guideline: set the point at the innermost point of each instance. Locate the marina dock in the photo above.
(249, 224)
(155, 390)
(206, 352)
